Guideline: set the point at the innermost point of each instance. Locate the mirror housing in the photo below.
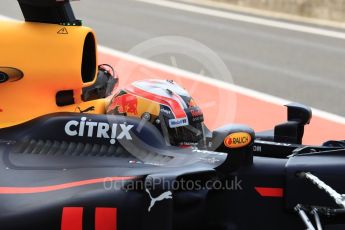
(237, 141)
(292, 131)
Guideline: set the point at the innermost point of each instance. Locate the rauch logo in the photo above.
(237, 140)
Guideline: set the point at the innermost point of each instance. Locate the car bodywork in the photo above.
(62, 169)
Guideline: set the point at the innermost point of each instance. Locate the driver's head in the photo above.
(166, 105)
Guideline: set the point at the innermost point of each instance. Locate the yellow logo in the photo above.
(237, 140)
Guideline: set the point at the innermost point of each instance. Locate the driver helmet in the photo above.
(166, 105)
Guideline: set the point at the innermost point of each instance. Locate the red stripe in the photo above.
(174, 105)
(106, 219)
(30, 190)
(270, 192)
(72, 218)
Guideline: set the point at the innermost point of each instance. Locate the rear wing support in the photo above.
(48, 11)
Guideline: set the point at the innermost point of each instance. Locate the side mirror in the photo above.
(299, 113)
(104, 85)
(292, 131)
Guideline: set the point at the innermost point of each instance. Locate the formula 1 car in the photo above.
(66, 164)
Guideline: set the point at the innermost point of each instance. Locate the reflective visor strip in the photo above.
(105, 218)
(174, 105)
(270, 192)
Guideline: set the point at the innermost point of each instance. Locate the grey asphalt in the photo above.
(292, 65)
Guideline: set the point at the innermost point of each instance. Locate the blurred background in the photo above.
(320, 9)
(295, 65)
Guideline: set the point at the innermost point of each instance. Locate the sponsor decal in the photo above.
(126, 103)
(186, 144)
(166, 111)
(174, 123)
(164, 196)
(196, 113)
(237, 140)
(257, 149)
(103, 130)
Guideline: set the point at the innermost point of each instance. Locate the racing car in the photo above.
(78, 153)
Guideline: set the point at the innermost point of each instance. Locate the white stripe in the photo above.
(2, 17)
(216, 83)
(245, 18)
